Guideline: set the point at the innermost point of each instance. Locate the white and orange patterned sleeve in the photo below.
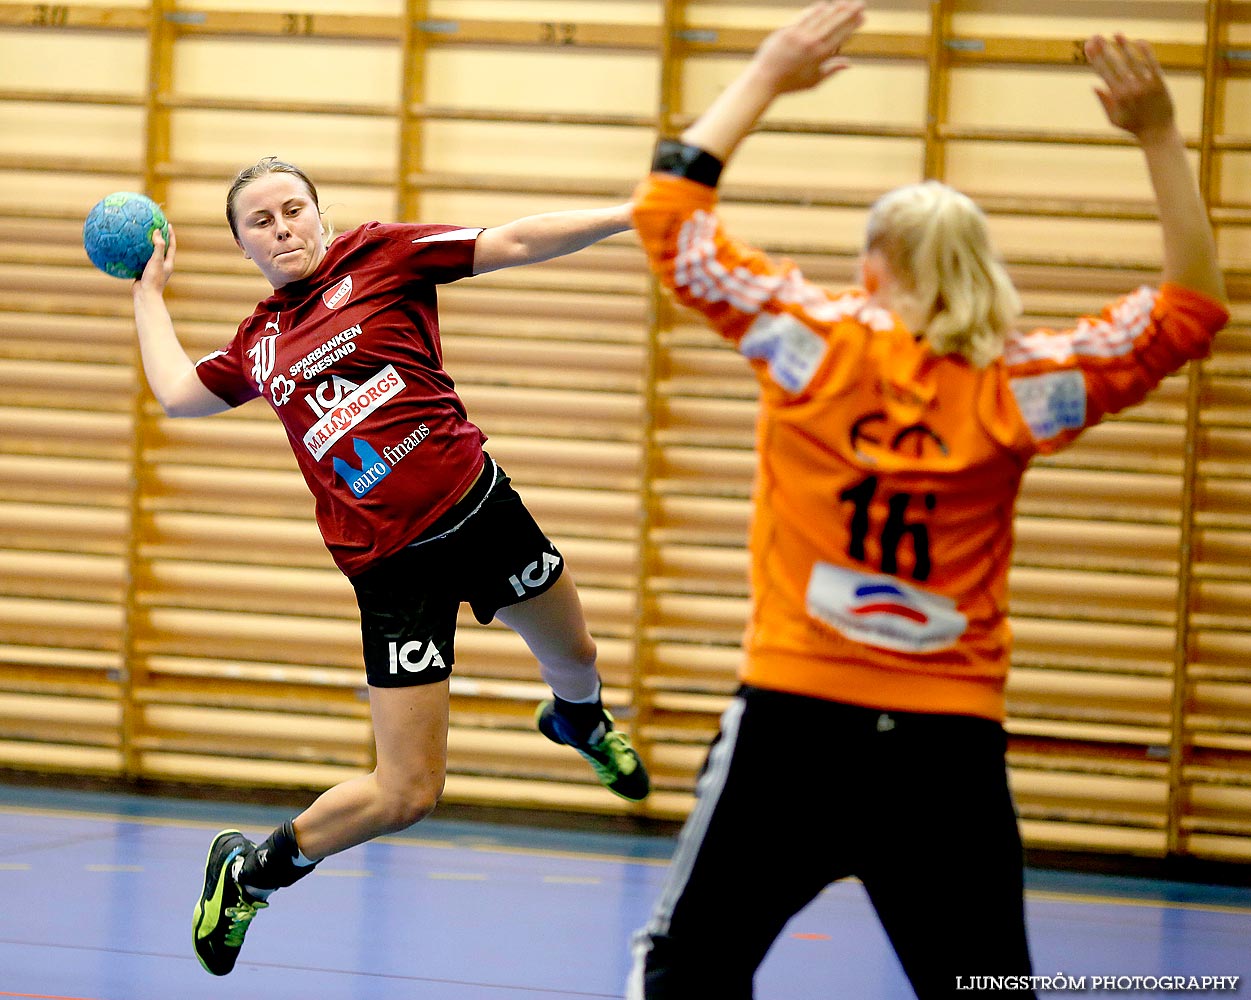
(1066, 381)
(782, 323)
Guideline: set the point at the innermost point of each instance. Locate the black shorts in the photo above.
(487, 551)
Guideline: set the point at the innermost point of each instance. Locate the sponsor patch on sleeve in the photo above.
(793, 351)
(1051, 403)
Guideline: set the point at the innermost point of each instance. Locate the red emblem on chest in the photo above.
(337, 296)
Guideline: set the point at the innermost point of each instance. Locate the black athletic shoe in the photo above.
(225, 910)
(615, 761)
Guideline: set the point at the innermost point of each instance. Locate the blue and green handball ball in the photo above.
(118, 233)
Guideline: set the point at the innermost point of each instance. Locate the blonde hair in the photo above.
(937, 245)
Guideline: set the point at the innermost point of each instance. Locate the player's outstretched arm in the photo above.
(795, 57)
(1136, 99)
(536, 238)
(170, 372)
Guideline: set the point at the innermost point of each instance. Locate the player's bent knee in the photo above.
(403, 813)
(585, 653)
(402, 808)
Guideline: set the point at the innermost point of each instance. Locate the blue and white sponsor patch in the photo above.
(1051, 403)
(883, 611)
(371, 472)
(793, 350)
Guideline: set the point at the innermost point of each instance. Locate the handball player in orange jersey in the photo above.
(896, 421)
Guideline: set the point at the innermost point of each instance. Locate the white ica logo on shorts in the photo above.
(351, 408)
(534, 575)
(402, 656)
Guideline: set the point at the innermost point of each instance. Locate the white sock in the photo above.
(590, 699)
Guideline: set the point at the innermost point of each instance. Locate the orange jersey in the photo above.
(887, 475)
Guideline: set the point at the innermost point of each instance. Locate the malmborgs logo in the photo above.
(349, 405)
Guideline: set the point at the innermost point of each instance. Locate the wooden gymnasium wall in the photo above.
(167, 610)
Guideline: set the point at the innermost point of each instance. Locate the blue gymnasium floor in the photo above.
(97, 892)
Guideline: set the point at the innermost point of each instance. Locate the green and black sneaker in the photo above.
(615, 761)
(225, 910)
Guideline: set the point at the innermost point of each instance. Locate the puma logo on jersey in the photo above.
(402, 656)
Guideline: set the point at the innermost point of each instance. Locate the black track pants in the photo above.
(798, 793)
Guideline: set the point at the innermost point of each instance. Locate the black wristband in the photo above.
(683, 160)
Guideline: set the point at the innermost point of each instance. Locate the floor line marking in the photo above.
(401, 840)
(40, 996)
(1059, 896)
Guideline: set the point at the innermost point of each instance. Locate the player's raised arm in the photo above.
(1136, 99)
(170, 372)
(796, 57)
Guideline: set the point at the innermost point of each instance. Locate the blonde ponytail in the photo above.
(937, 245)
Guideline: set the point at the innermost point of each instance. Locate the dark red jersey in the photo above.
(350, 360)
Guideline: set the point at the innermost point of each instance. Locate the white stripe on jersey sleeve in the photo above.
(697, 269)
(1097, 338)
(450, 236)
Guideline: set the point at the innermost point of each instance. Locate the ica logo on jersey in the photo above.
(329, 394)
(342, 405)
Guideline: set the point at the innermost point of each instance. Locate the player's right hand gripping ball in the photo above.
(118, 233)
